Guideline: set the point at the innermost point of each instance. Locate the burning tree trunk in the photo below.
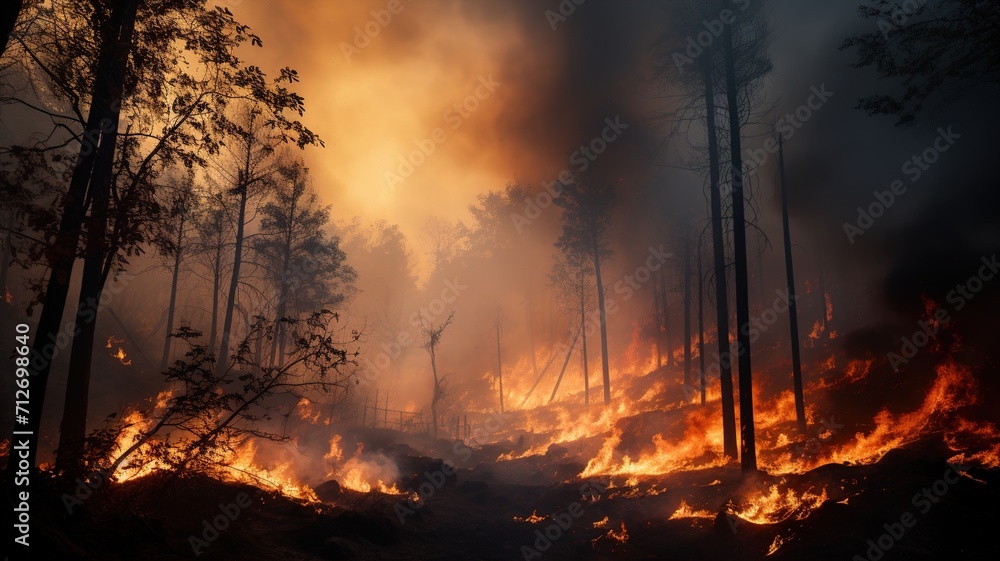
(433, 336)
(793, 315)
(719, 256)
(748, 452)
(73, 428)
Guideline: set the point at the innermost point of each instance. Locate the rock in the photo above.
(329, 491)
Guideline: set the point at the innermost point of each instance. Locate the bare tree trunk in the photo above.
(531, 331)
(719, 257)
(73, 428)
(748, 452)
(499, 367)
(586, 368)
(701, 321)
(178, 253)
(793, 314)
(569, 354)
(604, 322)
(216, 289)
(656, 320)
(667, 332)
(686, 287)
(434, 398)
(234, 282)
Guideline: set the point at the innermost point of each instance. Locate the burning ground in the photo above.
(566, 481)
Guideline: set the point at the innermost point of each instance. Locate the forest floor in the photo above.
(911, 505)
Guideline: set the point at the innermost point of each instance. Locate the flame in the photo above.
(616, 536)
(685, 511)
(120, 355)
(776, 506)
(533, 519)
(362, 472)
(238, 465)
(775, 545)
(602, 523)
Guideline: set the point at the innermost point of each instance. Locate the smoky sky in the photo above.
(558, 86)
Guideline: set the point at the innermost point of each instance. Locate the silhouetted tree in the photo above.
(433, 339)
(937, 50)
(305, 266)
(586, 217)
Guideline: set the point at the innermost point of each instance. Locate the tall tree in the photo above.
(168, 67)
(74, 418)
(743, 47)
(698, 81)
(793, 313)
(210, 246)
(248, 166)
(686, 292)
(173, 242)
(587, 206)
(305, 266)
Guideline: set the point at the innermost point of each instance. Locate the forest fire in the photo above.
(482, 279)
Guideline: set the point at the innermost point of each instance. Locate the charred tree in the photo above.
(701, 319)
(719, 270)
(793, 314)
(748, 451)
(686, 290)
